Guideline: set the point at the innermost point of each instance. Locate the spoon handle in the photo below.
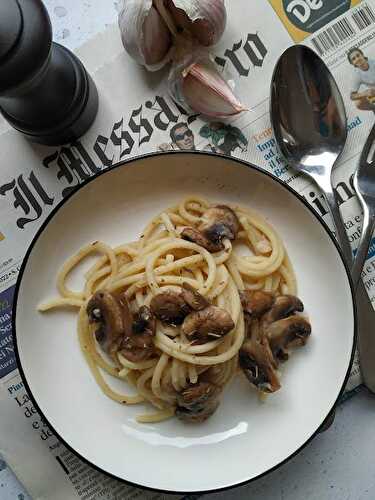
(339, 225)
(364, 243)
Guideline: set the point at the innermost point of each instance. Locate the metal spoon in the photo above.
(309, 123)
(364, 184)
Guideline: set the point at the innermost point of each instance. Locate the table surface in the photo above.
(336, 465)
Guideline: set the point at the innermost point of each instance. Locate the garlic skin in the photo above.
(200, 88)
(144, 34)
(205, 20)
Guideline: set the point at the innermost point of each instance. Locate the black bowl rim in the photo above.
(133, 162)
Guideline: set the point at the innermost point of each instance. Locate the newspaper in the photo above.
(137, 116)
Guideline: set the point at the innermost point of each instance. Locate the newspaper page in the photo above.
(137, 116)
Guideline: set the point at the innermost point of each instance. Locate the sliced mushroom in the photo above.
(105, 310)
(208, 324)
(220, 222)
(256, 303)
(257, 361)
(127, 317)
(169, 307)
(195, 236)
(284, 306)
(212, 374)
(139, 345)
(193, 298)
(276, 329)
(144, 322)
(288, 332)
(197, 402)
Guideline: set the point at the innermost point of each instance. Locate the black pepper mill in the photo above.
(45, 91)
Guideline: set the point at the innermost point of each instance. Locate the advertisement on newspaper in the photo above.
(33, 179)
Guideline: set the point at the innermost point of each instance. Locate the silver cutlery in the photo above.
(309, 122)
(364, 183)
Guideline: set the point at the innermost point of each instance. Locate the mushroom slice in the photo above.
(139, 345)
(144, 322)
(197, 402)
(169, 307)
(212, 374)
(284, 306)
(256, 303)
(104, 309)
(220, 222)
(127, 317)
(257, 361)
(193, 298)
(285, 333)
(208, 324)
(195, 236)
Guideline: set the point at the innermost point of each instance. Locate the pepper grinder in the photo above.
(45, 91)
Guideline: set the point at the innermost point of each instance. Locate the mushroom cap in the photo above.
(193, 298)
(104, 308)
(219, 222)
(144, 321)
(256, 303)
(208, 324)
(197, 402)
(196, 236)
(284, 305)
(288, 332)
(169, 307)
(257, 361)
(139, 345)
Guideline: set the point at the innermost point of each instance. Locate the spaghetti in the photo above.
(163, 261)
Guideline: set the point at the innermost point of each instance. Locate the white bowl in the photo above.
(245, 438)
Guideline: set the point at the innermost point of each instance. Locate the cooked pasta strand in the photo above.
(161, 261)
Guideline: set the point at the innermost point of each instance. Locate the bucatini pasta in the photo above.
(206, 290)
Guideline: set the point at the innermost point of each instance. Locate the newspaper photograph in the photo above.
(137, 116)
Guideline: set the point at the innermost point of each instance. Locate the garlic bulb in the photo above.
(145, 34)
(205, 20)
(200, 88)
(150, 29)
(155, 32)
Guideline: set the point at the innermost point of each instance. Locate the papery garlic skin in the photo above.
(200, 88)
(204, 19)
(144, 34)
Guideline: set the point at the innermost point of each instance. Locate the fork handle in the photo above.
(364, 243)
(366, 313)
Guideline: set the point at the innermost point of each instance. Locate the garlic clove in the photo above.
(205, 20)
(156, 38)
(206, 92)
(144, 34)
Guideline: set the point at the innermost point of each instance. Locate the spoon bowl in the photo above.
(308, 113)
